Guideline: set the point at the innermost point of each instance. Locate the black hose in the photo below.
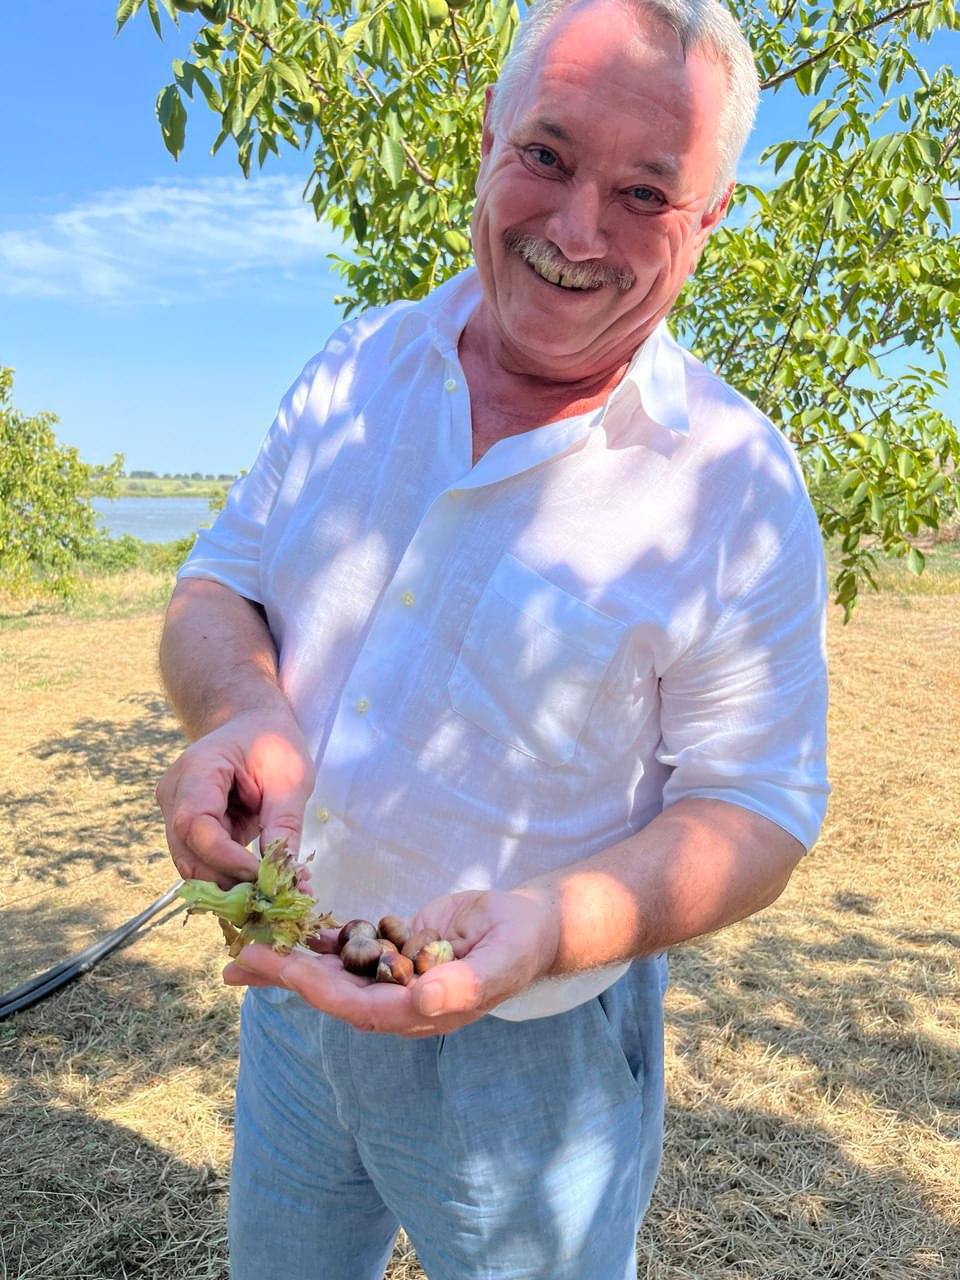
(44, 984)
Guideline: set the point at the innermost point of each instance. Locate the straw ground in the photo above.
(814, 1114)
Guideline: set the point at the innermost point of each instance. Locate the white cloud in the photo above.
(171, 242)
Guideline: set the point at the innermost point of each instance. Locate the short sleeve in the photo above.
(744, 710)
(230, 551)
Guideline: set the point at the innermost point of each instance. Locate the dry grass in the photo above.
(814, 1119)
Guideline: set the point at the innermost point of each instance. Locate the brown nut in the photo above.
(386, 945)
(417, 941)
(437, 952)
(394, 967)
(395, 929)
(361, 955)
(360, 928)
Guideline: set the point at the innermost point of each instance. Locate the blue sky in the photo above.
(161, 309)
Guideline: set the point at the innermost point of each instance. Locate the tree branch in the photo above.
(426, 178)
(459, 43)
(850, 35)
(246, 28)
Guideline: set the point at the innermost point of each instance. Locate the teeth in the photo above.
(554, 276)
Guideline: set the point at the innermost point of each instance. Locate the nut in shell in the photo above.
(394, 967)
(417, 941)
(355, 928)
(395, 930)
(361, 955)
(433, 953)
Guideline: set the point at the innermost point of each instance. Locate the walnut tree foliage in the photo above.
(47, 522)
(802, 294)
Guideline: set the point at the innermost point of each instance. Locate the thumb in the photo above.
(479, 981)
(281, 817)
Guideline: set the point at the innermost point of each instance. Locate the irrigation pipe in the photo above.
(45, 984)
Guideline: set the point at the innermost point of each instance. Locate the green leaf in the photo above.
(905, 464)
(172, 118)
(358, 221)
(125, 11)
(391, 157)
(155, 17)
(915, 561)
(293, 75)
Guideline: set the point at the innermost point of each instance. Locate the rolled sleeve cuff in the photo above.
(799, 812)
(210, 561)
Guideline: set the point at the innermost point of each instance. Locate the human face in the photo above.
(601, 168)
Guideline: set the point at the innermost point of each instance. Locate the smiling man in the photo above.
(517, 623)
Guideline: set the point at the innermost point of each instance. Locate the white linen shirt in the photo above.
(507, 667)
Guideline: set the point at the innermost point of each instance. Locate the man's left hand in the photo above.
(502, 942)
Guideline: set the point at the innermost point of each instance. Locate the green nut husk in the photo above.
(273, 909)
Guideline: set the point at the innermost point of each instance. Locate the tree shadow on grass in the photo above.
(123, 752)
(798, 1057)
(101, 798)
(85, 1195)
(748, 1189)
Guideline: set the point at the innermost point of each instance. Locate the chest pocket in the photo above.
(531, 662)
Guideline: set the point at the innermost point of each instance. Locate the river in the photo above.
(152, 519)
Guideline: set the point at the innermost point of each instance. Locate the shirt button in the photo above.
(450, 384)
(408, 597)
(323, 815)
(362, 705)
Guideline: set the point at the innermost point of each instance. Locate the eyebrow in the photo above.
(659, 168)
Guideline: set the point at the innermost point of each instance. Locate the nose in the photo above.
(575, 227)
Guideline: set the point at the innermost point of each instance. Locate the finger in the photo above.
(198, 823)
(486, 975)
(189, 866)
(323, 983)
(207, 839)
(285, 779)
(324, 941)
(234, 976)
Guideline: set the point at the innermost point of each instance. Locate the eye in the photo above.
(541, 157)
(646, 197)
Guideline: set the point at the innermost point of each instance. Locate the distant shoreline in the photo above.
(160, 488)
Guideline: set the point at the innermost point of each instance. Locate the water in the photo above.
(152, 519)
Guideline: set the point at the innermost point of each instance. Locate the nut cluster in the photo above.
(390, 951)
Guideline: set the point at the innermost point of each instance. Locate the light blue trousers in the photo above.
(507, 1150)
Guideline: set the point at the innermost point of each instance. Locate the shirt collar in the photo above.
(656, 375)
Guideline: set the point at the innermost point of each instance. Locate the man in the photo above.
(519, 616)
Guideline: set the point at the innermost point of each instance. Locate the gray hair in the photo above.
(699, 24)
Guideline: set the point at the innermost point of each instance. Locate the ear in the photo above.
(709, 220)
(486, 145)
(712, 217)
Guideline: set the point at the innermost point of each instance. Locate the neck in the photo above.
(483, 343)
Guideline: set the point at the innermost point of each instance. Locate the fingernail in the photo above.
(431, 999)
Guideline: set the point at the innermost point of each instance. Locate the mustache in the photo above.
(583, 275)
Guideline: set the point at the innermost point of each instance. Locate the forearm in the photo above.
(217, 657)
(700, 865)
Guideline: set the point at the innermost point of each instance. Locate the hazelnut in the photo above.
(397, 930)
(361, 955)
(358, 928)
(417, 941)
(394, 967)
(386, 945)
(433, 953)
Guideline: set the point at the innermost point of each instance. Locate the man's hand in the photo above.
(502, 942)
(250, 777)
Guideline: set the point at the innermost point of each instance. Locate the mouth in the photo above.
(554, 277)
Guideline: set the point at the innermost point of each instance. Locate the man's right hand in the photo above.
(250, 777)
